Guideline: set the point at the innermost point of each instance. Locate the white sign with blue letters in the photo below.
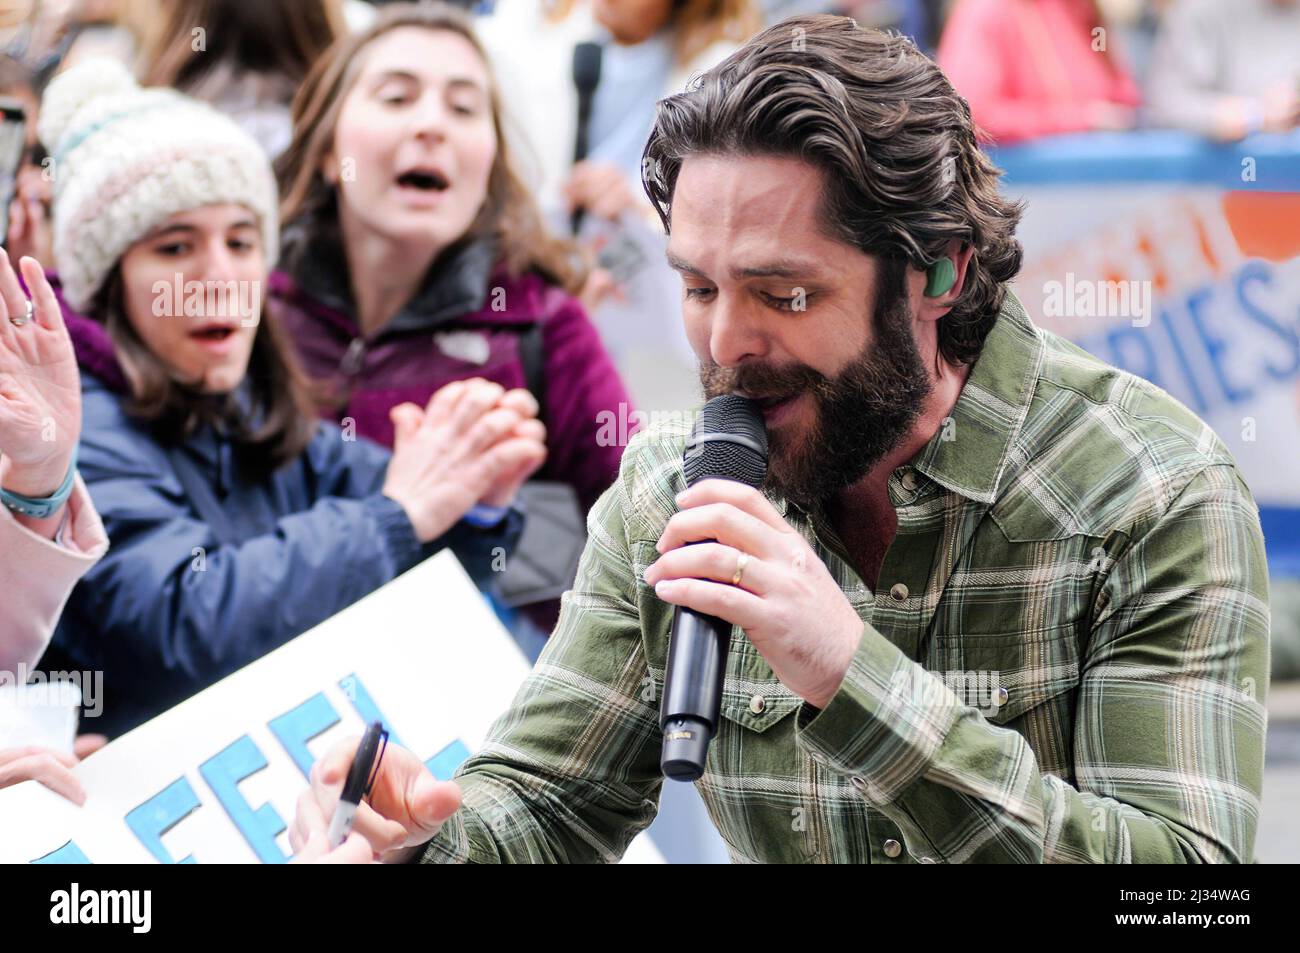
(215, 779)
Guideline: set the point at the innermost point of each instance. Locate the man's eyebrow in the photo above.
(681, 264)
(778, 268)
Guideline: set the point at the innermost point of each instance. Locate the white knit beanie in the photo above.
(126, 159)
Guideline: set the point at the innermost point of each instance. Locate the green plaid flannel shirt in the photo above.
(1065, 660)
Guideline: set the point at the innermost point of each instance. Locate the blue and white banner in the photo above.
(216, 779)
(1185, 271)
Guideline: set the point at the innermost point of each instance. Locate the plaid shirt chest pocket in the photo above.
(1008, 634)
(1025, 681)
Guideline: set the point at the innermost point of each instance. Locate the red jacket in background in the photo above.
(1028, 67)
(467, 321)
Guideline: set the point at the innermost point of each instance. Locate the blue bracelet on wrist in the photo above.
(483, 516)
(42, 507)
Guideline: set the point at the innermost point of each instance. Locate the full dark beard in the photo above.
(860, 415)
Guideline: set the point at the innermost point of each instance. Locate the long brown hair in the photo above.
(509, 213)
(267, 36)
(903, 174)
(273, 428)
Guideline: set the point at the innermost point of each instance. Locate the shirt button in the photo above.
(859, 783)
(898, 593)
(893, 848)
(757, 704)
(909, 481)
(1000, 696)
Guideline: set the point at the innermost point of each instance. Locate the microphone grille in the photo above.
(728, 441)
(586, 66)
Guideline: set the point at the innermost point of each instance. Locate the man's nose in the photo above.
(734, 334)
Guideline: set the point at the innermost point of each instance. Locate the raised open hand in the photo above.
(40, 389)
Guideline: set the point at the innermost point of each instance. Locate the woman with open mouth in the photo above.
(236, 518)
(415, 256)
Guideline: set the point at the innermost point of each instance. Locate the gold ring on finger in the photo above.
(741, 562)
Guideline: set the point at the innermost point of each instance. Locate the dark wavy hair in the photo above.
(895, 143)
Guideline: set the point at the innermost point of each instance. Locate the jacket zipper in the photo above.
(354, 357)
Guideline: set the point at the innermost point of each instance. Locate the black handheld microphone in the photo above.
(586, 77)
(729, 441)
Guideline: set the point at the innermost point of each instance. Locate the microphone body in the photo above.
(586, 77)
(697, 668)
(729, 441)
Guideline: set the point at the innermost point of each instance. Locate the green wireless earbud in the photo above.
(940, 278)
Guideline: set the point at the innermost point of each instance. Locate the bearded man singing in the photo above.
(998, 601)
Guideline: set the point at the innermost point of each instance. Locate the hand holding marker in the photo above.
(361, 778)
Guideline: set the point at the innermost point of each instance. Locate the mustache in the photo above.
(873, 381)
(761, 380)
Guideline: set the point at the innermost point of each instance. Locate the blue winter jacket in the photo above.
(206, 570)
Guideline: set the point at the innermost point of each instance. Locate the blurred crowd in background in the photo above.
(1028, 68)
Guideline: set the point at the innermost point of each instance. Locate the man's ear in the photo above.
(944, 281)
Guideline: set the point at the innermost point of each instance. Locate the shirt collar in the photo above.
(969, 454)
(970, 451)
